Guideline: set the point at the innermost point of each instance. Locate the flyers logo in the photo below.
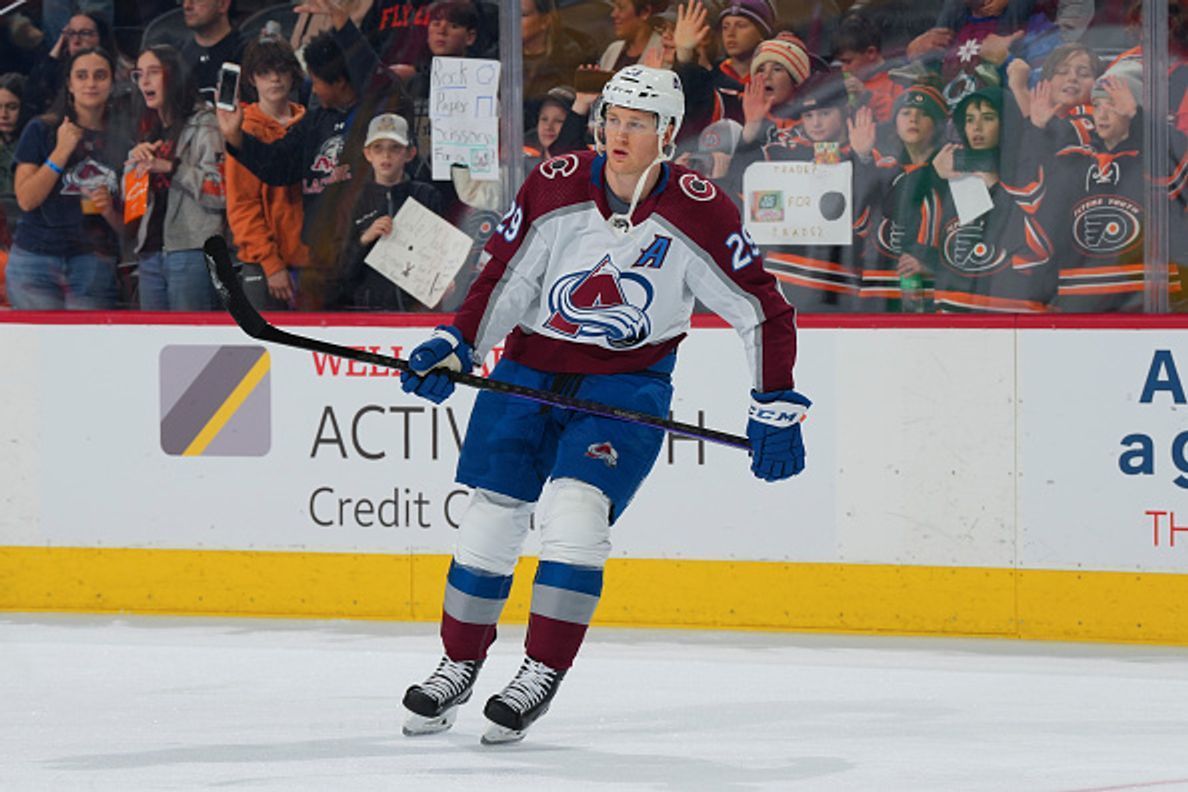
(697, 188)
(1108, 229)
(559, 167)
(966, 250)
(602, 303)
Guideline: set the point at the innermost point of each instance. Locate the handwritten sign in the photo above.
(464, 113)
(798, 203)
(422, 254)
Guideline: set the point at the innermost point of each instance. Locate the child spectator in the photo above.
(182, 153)
(1000, 261)
(858, 48)
(453, 29)
(779, 67)
(636, 40)
(558, 130)
(1059, 103)
(388, 150)
(266, 220)
(11, 117)
(64, 248)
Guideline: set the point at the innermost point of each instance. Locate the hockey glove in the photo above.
(777, 448)
(445, 350)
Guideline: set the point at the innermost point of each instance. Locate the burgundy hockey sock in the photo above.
(564, 597)
(473, 601)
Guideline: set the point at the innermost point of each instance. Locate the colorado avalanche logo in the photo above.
(328, 154)
(602, 303)
(559, 167)
(967, 250)
(697, 188)
(604, 451)
(91, 175)
(1108, 229)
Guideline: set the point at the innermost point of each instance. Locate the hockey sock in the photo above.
(564, 597)
(473, 601)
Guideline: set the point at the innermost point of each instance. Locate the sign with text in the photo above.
(464, 111)
(798, 203)
(422, 254)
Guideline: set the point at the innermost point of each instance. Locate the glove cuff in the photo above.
(779, 409)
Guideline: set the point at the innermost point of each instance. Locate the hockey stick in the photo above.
(222, 273)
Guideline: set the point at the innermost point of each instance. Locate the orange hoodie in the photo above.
(265, 220)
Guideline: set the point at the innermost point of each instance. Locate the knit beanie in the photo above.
(788, 52)
(927, 99)
(821, 90)
(1129, 72)
(760, 12)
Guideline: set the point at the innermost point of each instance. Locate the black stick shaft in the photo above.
(255, 325)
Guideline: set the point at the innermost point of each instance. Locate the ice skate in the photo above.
(433, 704)
(517, 706)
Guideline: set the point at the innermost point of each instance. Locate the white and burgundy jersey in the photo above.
(580, 297)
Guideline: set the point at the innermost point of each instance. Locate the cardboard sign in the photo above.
(464, 112)
(422, 254)
(799, 203)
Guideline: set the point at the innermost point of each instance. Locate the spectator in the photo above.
(322, 152)
(398, 30)
(12, 118)
(388, 150)
(266, 220)
(64, 248)
(778, 68)
(214, 43)
(453, 29)
(636, 40)
(858, 48)
(181, 151)
(83, 31)
(1000, 261)
(558, 129)
(1059, 103)
(552, 52)
(22, 44)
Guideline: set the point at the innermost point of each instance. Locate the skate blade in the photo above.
(418, 725)
(501, 735)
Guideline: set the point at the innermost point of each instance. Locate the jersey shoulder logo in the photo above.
(602, 303)
(697, 188)
(559, 167)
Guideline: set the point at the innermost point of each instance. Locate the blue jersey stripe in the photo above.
(587, 580)
(477, 583)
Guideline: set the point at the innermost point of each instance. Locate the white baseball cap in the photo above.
(387, 126)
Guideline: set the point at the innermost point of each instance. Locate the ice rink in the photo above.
(140, 703)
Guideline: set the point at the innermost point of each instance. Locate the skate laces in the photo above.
(531, 685)
(450, 679)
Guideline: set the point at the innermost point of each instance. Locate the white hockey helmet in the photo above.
(645, 88)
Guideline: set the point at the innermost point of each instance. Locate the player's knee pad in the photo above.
(574, 519)
(491, 534)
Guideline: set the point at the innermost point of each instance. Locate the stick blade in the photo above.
(226, 283)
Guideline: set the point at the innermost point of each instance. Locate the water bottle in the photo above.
(911, 290)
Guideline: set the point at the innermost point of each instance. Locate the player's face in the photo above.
(631, 140)
(824, 124)
(740, 36)
(625, 20)
(981, 126)
(777, 82)
(1073, 80)
(548, 124)
(388, 158)
(449, 39)
(150, 79)
(10, 110)
(90, 82)
(273, 86)
(914, 126)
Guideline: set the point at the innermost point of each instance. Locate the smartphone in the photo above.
(227, 94)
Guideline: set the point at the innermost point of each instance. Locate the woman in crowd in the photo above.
(552, 52)
(85, 30)
(266, 220)
(636, 40)
(181, 151)
(65, 248)
(12, 87)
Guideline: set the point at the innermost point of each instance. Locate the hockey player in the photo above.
(594, 270)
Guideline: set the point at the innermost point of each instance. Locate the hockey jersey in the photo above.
(580, 297)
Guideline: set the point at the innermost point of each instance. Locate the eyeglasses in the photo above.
(80, 34)
(152, 71)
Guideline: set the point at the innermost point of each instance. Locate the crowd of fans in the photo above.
(993, 148)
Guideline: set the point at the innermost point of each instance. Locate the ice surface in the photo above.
(138, 703)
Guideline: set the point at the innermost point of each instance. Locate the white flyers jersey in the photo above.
(578, 296)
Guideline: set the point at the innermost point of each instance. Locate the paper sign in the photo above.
(464, 116)
(135, 194)
(422, 254)
(970, 196)
(798, 203)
